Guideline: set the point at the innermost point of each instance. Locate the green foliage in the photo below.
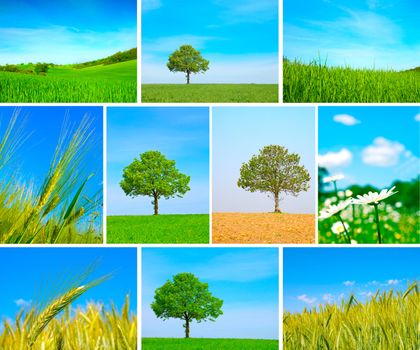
(274, 170)
(318, 83)
(120, 56)
(210, 93)
(154, 176)
(188, 299)
(41, 68)
(208, 344)
(175, 229)
(389, 320)
(113, 83)
(187, 60)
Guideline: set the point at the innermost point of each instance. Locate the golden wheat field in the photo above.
(254, 228)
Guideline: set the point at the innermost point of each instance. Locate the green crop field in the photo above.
(193, 228)
(209, 93)
(319, 83)
(389, 320)
(101, 83)
(208, 344)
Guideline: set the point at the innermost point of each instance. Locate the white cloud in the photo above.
(23, 303)
(417, 117)
(367, 294)
(349, 283)
(306, 299)
(382, 152)
(335, 159)
(346, 119)
(329, 298)
(393, 282)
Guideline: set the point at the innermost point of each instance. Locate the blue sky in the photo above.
(246, 279)
(36, 269)
(43, 126)
(314, 276)
(360, 33)
(370, 145)
(181, 134)
(239, 133)
(67, 31)
(239, 37)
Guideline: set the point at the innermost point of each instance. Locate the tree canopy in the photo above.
(187, 60)
(274, 170)
(155, 176)
(188, 299)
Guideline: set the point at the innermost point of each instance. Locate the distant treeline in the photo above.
(120, 56)
(30, 68)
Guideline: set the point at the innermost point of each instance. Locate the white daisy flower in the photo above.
(333, 178)
(374, 198)
(338, 228)
(333, 209)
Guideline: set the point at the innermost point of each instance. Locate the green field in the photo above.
(319, 83)
(193, 228)
(209, 93)
(102, 83)
(208, 344)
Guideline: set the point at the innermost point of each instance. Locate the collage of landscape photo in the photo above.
(201, 175)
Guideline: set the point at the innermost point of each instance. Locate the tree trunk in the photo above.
(156, 204)
(276, 203)
(187, 328)
(188, 76)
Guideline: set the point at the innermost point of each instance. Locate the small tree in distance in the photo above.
(187, 60)
(188, 299)
(274, 170)
(155, 176)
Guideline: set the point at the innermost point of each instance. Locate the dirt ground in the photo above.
(261, 228)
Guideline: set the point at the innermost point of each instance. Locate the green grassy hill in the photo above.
(208, 344)
(101, 82)
(191, 228)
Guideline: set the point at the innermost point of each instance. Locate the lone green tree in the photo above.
(274, 170)
(155, 176)
(188, 299)
(188, 60)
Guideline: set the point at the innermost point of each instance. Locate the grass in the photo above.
(60, 210)
(209, 93)
(92, 327)
(389, 320)
(104, 83)
(192, 228)
(208, 344)
(318, 83)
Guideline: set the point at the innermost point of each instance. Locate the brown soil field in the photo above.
(263, 228)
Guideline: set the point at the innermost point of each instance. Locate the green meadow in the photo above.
(209, 93)
(191, 228)
(98, 81)
(316, 82)
(208, 344)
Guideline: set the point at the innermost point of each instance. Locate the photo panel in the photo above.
(350, 298)
(69, 298)
(263, 175)
(368, 174)
(71, 52)
(210, 51)
(158, 175)
(208, 298)
(51, 175)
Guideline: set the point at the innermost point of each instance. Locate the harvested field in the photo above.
(263, 228)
